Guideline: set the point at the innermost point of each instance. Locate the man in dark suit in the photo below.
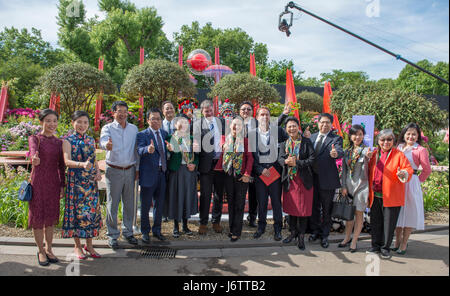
(208, 131)
(327, 147)
(152, 179)
(265, 155)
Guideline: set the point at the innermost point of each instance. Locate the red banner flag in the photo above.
(216, 99)
(3, 102)
(180, 55)
(327, 98)
(141, 99)
(337, 125)
(253, 72)
(99, 101)
(290, 96)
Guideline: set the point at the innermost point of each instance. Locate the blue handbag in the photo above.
(26, 190)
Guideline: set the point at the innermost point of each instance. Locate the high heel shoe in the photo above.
(400, 252)
(353, 250)
(341, 245)
(290, 238)
(301, 242)
(93, 255)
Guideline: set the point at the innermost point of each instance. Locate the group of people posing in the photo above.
(233, 156)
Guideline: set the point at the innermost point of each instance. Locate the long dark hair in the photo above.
(353, 130)
(401, 138)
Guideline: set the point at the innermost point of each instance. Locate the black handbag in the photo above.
(343, 208)
(25, 192)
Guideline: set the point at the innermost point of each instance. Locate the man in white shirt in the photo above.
(168, 111)
(119, 140)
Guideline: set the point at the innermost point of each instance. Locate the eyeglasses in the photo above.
(325, 122)
(387, 140)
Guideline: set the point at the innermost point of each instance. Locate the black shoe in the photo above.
(341, 245)
(301, 242)
(385, 254)
(230, 235)
(373, 250)
(42, 263)
(187, 231)
(353, 250)
(277, 236)
(176, 233)
(313, 237)
(159, 236)
(131, 240)
(146, 238)
(258, 234)
(252, 223)
(324, 243)
(112, 243)
(234, 239)
(291, 237)
(52, 260)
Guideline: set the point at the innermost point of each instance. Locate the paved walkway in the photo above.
(427, 254)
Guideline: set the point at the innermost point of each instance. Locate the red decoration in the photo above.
(290, 93)
(3, 102)
(199, 62)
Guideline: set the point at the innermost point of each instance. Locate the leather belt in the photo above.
(120, 168)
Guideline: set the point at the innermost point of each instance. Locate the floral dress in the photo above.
(82, 215)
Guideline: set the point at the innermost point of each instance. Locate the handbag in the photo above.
(343, 208)
(25, 192)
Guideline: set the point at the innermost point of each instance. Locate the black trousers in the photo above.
(383, 221)
(236, 191)
(298, 225)
(263, 192)
(320, 220)
(211, 182)
(252, 201)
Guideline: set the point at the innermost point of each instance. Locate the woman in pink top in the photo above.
(412, 213)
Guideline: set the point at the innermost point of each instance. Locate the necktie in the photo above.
(319, 144)
(161, 152)
(169, 128)
(317, 150)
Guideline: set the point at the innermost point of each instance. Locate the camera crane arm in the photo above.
(284, 26)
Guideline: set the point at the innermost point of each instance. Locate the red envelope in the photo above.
(274, 175)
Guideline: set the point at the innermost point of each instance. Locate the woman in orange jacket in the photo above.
(389, 170)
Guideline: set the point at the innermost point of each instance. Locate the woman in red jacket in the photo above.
(389, 170)
(412, 213)
(237, 162)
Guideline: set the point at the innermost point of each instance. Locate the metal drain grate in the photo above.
(158, 253)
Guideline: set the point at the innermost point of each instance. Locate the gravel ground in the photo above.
(439, 217)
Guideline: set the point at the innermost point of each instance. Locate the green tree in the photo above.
(339, 78)
(235, 46)
(393, 108)
(275, 72)
(157, 80)
(414, 80)
(77, 84)
(74, 29)
(25, 75)
(15, 43)
(310, 101)
(244, 87)
(117, 38)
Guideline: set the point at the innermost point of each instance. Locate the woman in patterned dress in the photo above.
(82, 216)
(48, 181)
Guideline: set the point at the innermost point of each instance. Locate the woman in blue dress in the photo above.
(82, 215)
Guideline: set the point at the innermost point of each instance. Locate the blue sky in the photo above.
(414, 29)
